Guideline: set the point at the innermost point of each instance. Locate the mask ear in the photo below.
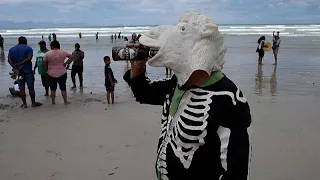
(208, 30)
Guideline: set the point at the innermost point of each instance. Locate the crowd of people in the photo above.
(52, 66)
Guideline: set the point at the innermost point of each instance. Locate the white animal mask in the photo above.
(195, 43)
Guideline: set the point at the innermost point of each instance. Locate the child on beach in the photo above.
(110, 81)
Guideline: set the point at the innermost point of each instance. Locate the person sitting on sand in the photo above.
(39, 65)
(15, 89)
(260, 50)
(206, 120)
(54, 60)
(109, 79)
(275, 46)
(20, 57)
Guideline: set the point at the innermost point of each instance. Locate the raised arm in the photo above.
(145, 91)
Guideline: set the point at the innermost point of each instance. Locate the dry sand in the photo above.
(85, 141)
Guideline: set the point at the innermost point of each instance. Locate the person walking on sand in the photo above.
(54, 60)
(77, 66)
(20, 57)
(110, 81)
(260, 50)
(39, 64)
(275, 46)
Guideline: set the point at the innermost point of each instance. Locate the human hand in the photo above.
(17, 65)
(138, 67)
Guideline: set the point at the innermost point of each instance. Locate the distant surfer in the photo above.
(49, 37)
(275, 46)
(260, 51)
(80, 35)
(115, 36)
(42, 37)
(111, 38)
(119, 36)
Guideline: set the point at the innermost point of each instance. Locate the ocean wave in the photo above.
(285, 30)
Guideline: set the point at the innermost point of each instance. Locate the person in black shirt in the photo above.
(110, 81)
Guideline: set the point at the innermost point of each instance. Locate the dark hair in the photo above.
(55, 44)
(126, 39)
(106, 58)
(261, 38)
(77, 45)
(139, 36)
(22, 40)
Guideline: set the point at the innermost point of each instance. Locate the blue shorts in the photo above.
(26, 76)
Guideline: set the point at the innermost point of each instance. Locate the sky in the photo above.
(157, 12)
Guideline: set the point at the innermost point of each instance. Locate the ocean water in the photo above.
(236, 30)
(297, 73)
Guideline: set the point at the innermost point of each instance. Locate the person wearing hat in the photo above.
(39, 64)
(275, 46)
(77, 66)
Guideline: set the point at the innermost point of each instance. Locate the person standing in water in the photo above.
(49, 37)
(54, 36)
(110, 81)
(97, 36)
(39, 64)
(260, 50)
(20, 57)
(77, 66)
(54, 60)
(80, 35)
(275, 46)
(1, 43)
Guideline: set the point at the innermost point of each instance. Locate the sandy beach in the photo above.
(89, 139)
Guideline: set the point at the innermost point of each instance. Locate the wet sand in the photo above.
(89, 139)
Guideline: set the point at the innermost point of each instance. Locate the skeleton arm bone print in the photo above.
(150, 92)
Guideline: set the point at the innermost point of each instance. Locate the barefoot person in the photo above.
(206, 121)
(260, 50)
(54, 60)
(275, 46)
(39, 64)
(77, 66)
(110, 81)
(20, 57)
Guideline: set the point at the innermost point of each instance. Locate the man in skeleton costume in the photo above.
(205, 125)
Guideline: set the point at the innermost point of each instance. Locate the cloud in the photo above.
(151, 6)
(299, 3)
(163, 11)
